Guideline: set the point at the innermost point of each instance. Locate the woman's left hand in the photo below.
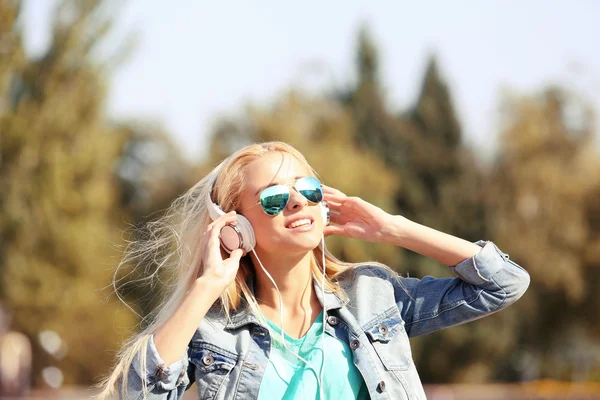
(356, 218)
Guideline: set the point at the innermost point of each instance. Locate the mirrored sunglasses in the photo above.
(274, 199)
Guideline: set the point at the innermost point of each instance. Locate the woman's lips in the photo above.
(301, 225)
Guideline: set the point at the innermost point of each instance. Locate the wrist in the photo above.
(208, 287)
(397, 230)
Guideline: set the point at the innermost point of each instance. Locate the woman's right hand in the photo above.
(216, 269)
(172, 339)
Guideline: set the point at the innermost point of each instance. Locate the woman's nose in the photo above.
(296, 199)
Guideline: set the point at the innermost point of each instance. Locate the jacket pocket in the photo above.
(213, 366)
(389, 338)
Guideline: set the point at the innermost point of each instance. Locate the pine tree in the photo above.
(376, 129)
(443, 170)
(439, 179)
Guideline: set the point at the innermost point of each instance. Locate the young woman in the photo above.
(261, 310)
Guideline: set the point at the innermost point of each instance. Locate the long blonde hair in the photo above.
(171, 243)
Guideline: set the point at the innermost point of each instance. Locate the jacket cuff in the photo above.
(480, 268)
(166, 378)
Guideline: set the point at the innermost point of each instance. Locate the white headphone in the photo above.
(241, 235)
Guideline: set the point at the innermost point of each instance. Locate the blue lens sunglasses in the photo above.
(274, 198)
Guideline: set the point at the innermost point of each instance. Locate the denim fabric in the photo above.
(227, 359)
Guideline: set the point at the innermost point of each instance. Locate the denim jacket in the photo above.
(227, 359)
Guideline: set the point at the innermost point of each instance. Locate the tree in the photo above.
(151, 171)
(439, 176)
(375, 128)
(60, 209)
(442, 168)
(540, 201)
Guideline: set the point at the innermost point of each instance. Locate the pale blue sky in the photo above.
(198, 60)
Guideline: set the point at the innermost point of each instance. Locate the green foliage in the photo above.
(60, 213)
(543, 207)
(151, 171)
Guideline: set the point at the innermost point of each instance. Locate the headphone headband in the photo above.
(213, 209)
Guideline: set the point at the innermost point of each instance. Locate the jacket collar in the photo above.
(245, 315)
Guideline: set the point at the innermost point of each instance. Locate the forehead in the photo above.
(273, 167)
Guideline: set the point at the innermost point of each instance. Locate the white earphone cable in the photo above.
(282, 325)
(324, 314)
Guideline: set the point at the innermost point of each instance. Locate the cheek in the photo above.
(268, 237)
(262, 224)
(263, 229)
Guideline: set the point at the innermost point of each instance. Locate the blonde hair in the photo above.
(171, 243)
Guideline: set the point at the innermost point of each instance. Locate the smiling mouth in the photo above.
(299, 223)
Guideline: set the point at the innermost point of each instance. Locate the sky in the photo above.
(197, 61)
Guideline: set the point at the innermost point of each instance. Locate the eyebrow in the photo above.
(275, 184)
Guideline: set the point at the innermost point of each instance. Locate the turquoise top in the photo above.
(287, 377)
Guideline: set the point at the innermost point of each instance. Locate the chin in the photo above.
(295, 245)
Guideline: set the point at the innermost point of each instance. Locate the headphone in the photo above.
(241, 235)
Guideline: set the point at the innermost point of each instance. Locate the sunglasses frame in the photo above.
(289, 187)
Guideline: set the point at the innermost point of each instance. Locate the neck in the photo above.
(293, 276)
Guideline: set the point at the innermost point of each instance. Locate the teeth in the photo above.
(298, 223)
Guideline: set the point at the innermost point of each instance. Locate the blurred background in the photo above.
(475, 118)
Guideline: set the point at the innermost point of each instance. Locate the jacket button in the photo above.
(208, 360)
(381, 386)
(354, 344)
(332, 320)
(160, 372)
(383, 329)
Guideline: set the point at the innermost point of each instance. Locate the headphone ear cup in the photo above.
(248, 238)
(325, 213)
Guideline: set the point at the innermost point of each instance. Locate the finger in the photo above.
(213, 241)
(334, 230)
(214, 229)
(329, 189)
(227, 217)
(336, 196)
(236, 255)
(213, 246)
(223, 220)
(335, 202)
(340, 219)
(346, 207)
